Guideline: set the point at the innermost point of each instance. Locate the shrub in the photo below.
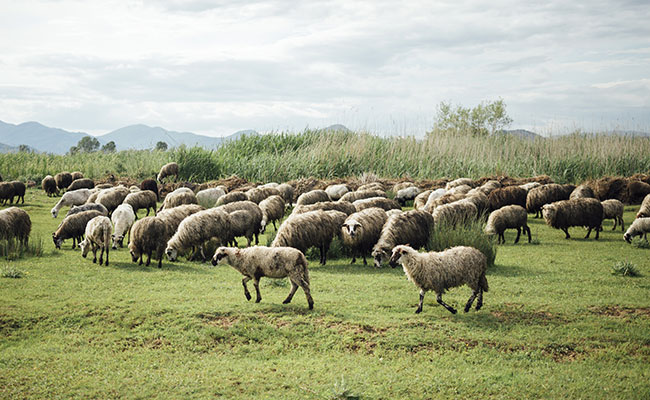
(625, 268)
(469, 234)
(12, 250)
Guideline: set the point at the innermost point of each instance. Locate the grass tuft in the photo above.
(640, 243)
(341, 391)
(625, 268)
(9, 271)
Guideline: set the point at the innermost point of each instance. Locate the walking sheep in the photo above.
(73, 198)
(272, 262)
(230, 198)
(49, 186)
(639, 227)
(123, 218)
(143, 199)
(613, 209)
(150, 184)
(208, 197)
(576, 212)
(97, 236)
(148, 235)
(63, 180)
(272, 210)
(362, 194)
(197, 229)
(546, 194)
(312, 197)
(361, 231)
(82, 183)
(508, 217)
(73, 227)
(410, 227)
(168, 169)
(439, 271)
(15, 223)
(335, 192)
(644, 210)
(87, 207)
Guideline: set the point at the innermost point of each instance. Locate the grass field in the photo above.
(556, 324)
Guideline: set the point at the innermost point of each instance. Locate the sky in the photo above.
(216, 67)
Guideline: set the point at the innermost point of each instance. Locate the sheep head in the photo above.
(118, 240)
(171, 253)
(351, 227)
(220, 256)
(57, 241)
(397, 254)
(84, 246)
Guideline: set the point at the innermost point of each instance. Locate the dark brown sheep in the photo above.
(507, 196)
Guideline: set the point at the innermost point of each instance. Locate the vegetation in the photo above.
(487, 118)
(624, 268)
(470, 234)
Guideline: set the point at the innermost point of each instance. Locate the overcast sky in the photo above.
(215, 67)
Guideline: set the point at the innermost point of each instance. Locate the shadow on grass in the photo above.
(343, 267)
(153, 267)
(510, 271)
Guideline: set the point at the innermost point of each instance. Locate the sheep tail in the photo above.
(483, 283)
(302, 260)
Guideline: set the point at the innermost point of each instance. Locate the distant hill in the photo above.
(5, 148)
(39, 137)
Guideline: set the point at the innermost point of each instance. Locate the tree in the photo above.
(485, 119)
(88, 144)
(109, 147)
(23, 148)
(73, 150)
(162, 146)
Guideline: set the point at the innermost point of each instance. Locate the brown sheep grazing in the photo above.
(169, 169)
(63, 180)
(49, 186)
(76, 175)
(148, 235)
(575, 212)
(19, 191)
(410, 227)
(505, 196)
(7, 192)
(82, 183)
(73, 227)
(508, 217)
(15, 223)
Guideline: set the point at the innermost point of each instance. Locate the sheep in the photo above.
(286, 191)
(390, 213)
(312, 197)
(7, 192)
(242, 223)
(73, 198)
(362, 194)
(452, 214)
(406, 194)
(402, 185)
(208, 197)
(111, 198)
(83, 183)
(97, 236)
(103, 186)
(198, 228)
(410, 227)
(252, 208)
(448, 197)
(142, 199)
(178, 197)
(421, 199)
(87, 207)
(638, 227)
(575, 212)
(168, 169)
(272, 210)
(361, 230)
(270, 185)
(508, 217)
(439, 271)
(582, 191)
(636, 191)
(258, 194)
(148, 235)
(489, 186)
(311, 229)
(644, 210)
(506, 196)
(63, 180)
(73, 227)
(459, 182)
(150, 184)
(613, 209)
(371, 186)
(381, 202)
(134, 189)
(480, 200)
(15, 223)
(273, 262)
(123, 218)
(231, 198)
(530, 185)
(546, 194)
(49, 186)
(94, 193)
(173, 216)
(341, 205)
(76, 175)
(336, 191)
(19, 191)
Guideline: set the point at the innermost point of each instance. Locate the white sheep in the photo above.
(335, 192)
(123, 218)
(639, 227)
(197, 229)
(208, 197)
(168, 169)
(97, 236)
(459, 182)
(613, 209)
(439, 271)
(406, 194)
(72, 198)
(272, 262)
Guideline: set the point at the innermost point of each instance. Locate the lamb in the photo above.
(252, 208)
(575, 212)
(613, 209)
(311, 229)
(639, 227)
(208, 197)
(15, 223)
(406, 194)
(644, 210)
(312, 197)
(336, 191)
(150, 184)
(112, 198)
(123, 218)
(421, 199)
(286, 191)
(259, 193)
(456, 213)
(77, 175)
(362, 194)
(73, 227)
(198, 228)
(231, 198)
(148, 235)
(341, 205)
(19, 191)
(73, 198)
(361, 230)
(83, 183)
(381, 202)
(178, 197)
(49, 186)
(168, 169)
(63, 180)
(410, 227)
(272, 210)
(508, 217)
(505, 196)
(459, 182)
(142, 199)
(87, 207)
(582, 191)
(173, 216)
(7, 192)
(98, 236)
(273, 262)
(546, 194)
(439, 271)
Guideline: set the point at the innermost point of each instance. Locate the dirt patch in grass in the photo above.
(621, 311)
(561, 352)
(221, 320)
(519, 315)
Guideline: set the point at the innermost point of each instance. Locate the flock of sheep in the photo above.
(367, 221)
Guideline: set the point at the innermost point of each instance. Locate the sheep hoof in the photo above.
(257, 300)
(419, 310)
(94, 261)
(248, 296)
(453, 311)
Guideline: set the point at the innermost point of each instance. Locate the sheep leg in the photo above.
(257, 239)
(471, 300)
(589, 232)
(419, 309)
(94, 254)
(305, 287)
(527, 230)
(615, 221)
(622, 224)
(101, 257)
(518, 234)
(566, 232)
(246, 292)
(354, 258)
(107, 248)
(294, 287)
(598, 229)
(148, 258)
(501, 238)
(275, 228)
(364, 260)
(479, 302)
(256, 283)
(141, 257)
(445, 305)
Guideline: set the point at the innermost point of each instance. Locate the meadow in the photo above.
(556, 323)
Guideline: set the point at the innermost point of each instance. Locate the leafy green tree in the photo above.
(73, 150)
(487, 118)
(161, 146)
(88, 144)
(109, 147)
(23, 148)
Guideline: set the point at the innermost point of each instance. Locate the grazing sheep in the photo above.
(178, 197)
(148, 235)
(19, 191)
(546, 194)
(456, 213)
(252, 208)
(421, 199)
(208, 197)
(15, 223)
(150, 184)
(480, 200)
(613, 209)
(242, 223)
(636, 191)
(410, 227)
(103, 186)
(313, 196)
(230, 198)
(575, 212)
(87, 207)
(168, 169)
(142, 199)
(272, 210)
(489, 186)
(644, 210)
(434, 202)
(73, 198)
(82, 183)
(361, 231)
(311, 229)
(639, 227)
(381, 202)
(123, 218)
(508, 217)
(197, 229)
(341, 205)
(402, 185)
(286, 191)
(362, 194)
(582, 191)
(73, 227)
(371, 186)
(505, 196)
(93, 195)
(439, 271)
(336, 191)
(273, 262)
(111, 198)
(49, 186)
(7, 192)
(270, 185)
(259, 193)
(97, 236)
(459, 182)
(530, 185)
(63, 180)
(406, 194)
(173, 216)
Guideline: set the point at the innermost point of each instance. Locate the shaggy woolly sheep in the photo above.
(459, 182)
(93, 195)
(639, 227)
(341, 205)
(231, 198)
(87, 207)
(286, 191)
(76, 175)
(421, 199)
(505, 196)
(371, 186)
(252, 208)
(197, 229)
(508, 217)
(49, 186)
(98, 236)
(173, 216)
(19, 191)
(575, 212)
(613, 209)
(15, 223)
(178, 197)
(361, 230)
(406, 194)
(270, 185)
(273, 262)
(313, 196)
(259, 193)
(123, 218)
(148, 235)
(83, 183)
(582, 191)
(73, 227)
(636, 191)
(113, 197)
(456, 213)
(150, 184)
(142, 199)
(439, 271)
(362, 194)
(272, 210)
(7, 192)
(73, 198)
(489, 186)
(530, 185)
(242, 223)
(410, 227)
(63, 180)
(381, 202)
(644, 210)
(335, 192)
(546, 194)
(168, 169)
(442, 200)
(208, 197)
(402, 185)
